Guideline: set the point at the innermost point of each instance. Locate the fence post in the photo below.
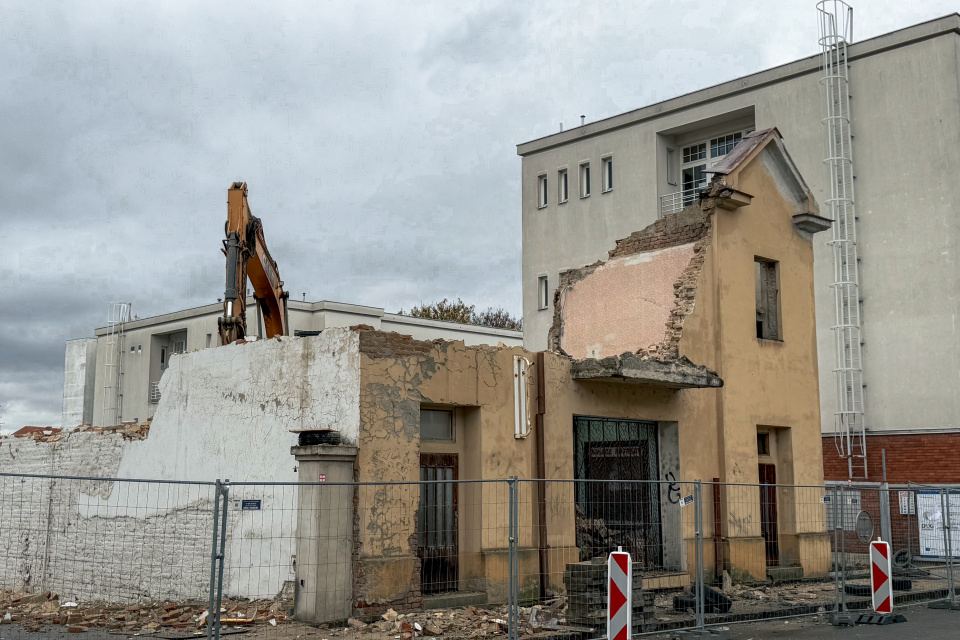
(947, 541)
(698, 553)
(513, 597)
(213, 561)
(220, 499)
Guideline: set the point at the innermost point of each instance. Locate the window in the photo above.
(436, 424)
(607, 174)
(585, 180)
(542, 192)
(563, 192)
(724, 144)
(768, 307)
(209, 339)
(763, 444)
(543, 293)
(163, 357)
(700, 156)
(179, 346)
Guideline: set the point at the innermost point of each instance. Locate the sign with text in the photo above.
(931, 510)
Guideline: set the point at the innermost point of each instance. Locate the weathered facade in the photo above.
(682, 331)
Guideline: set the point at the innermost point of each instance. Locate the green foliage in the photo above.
(459, 311)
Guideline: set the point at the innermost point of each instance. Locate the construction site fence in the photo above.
(449, 558)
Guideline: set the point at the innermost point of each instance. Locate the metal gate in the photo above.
(437, 523)
(625, 512)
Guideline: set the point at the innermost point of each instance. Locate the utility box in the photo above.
(324, 570)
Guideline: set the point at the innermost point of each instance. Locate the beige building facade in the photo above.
(666, 388)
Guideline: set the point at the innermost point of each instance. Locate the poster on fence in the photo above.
(930, 518)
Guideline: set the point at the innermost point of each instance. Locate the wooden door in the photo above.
(768, 513)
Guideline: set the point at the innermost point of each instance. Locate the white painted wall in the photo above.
(80, 363)
(224, 413)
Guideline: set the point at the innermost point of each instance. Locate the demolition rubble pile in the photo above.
(35, 611)
(131, 430)
(469, 622)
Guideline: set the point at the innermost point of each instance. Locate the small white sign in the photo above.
(908, 507)
(685, 501)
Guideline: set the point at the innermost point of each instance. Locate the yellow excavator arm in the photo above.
(247, 256)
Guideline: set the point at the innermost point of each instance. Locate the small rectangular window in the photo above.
(209, 339)
(541, 192)
(763, 444)
(563, 192)
(436, 424)
(607, 174)
(768, 299)
(131, 349)
(543, 293)
(163, 357)
(585, 180)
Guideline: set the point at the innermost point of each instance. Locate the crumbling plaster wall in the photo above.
(398, 375)
(637, 301)
(224, 414)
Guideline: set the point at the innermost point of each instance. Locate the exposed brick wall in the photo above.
(386, 344)
(687, 226)
(920, 458)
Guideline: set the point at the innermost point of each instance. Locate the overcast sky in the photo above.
(377, 138)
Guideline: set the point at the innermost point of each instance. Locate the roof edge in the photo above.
(912, 34)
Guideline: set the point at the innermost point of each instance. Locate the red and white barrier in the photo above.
(619, 596)
(880, 581)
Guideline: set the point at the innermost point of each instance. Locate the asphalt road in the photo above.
(922, 624)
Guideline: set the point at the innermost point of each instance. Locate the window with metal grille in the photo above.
(437, 524)
(613, 458)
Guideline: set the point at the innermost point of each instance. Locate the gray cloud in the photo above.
(377, 139)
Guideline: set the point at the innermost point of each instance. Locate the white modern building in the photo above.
(586, 187)
(114, 376)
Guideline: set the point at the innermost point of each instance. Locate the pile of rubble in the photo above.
(469, 622)
(34, 611)
(131, 430)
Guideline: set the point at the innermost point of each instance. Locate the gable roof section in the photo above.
(808, 216)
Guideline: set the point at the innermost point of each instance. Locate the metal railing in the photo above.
(456, 558)
(675, 202)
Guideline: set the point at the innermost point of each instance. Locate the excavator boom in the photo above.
(248, 257)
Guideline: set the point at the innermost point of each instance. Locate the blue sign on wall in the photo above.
(250, 505)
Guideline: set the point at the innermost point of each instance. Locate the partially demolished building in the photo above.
(660, 368)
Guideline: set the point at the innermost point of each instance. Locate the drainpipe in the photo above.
(541, 477)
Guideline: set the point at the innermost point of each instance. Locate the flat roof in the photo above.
(313, 307)
(893, 40)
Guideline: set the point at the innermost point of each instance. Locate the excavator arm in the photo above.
(248, 257)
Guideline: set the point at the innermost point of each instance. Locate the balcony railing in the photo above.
(154, 392)
(674, 202)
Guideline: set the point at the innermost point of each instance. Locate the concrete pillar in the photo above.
(324, 583)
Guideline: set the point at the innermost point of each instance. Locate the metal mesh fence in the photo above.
(452, 558)
(110, 553)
